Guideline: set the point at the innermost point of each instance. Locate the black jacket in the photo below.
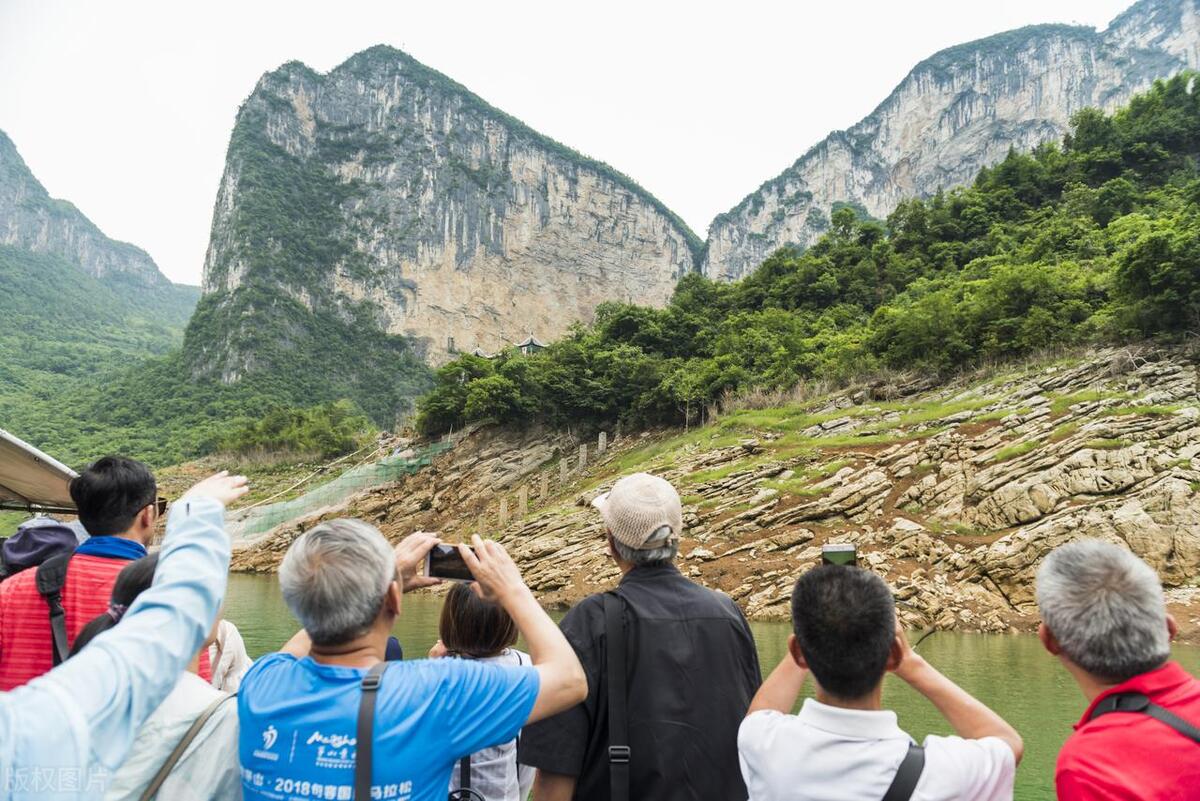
(692, 671)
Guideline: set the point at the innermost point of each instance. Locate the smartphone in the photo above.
(445, 562)
(839, 554)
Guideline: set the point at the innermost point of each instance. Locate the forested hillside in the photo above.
(1094, 239)
(63, 328)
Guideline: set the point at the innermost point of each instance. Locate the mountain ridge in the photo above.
(1012, 89)
(384, 197)
(30, 219)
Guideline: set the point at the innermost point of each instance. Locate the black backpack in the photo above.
(46, 545)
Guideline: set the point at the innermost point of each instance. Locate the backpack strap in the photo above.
(365, 734)
(907, 775)
(618, 701)
(51, 578)
(464, 772)
(157, 782)
(1140, 704)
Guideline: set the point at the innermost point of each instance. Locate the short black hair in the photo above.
(109, 494)
(844, 618)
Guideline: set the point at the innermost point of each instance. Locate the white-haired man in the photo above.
(663, 707)
(323, 719)
(1104, 617)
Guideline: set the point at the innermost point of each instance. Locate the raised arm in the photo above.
(563, 683)
(968, 716)
(84, 714)
(781, 689)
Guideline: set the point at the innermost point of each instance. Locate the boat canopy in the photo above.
(31, 480)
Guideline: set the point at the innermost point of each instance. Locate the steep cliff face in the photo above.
(954, 113)
(383, 199)
(31, 220)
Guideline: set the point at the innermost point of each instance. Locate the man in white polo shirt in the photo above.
(843, 745)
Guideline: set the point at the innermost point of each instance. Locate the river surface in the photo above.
(1010, 673)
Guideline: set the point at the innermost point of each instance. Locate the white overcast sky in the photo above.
(125, 108)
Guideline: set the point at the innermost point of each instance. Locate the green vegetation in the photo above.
(940, 528)
(1061, 405)
(1063, 431)
(1148, 411)
(1106, 444)
(1013, 451)
(1094, 240)
(331, 429)
(258, 352)
(797, 487)
(287, 231)
(65, 332)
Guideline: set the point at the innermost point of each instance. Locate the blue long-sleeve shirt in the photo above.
(62, 734)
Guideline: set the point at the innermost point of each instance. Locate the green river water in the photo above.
(1010, 673)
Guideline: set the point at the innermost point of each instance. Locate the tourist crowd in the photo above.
(122, 681)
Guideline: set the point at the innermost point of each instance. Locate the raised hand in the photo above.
(497, 577)
(221, 487)
(410, 555)
(910, 663)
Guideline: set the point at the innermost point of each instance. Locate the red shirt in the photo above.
(25, 642)
(1128, 755)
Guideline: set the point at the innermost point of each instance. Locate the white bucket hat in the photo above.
(637, 507)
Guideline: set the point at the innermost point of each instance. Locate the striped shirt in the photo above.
(25, 643)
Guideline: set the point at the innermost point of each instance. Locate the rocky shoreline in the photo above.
(953, 493)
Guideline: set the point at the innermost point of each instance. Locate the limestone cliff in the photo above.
(384, 196)
(952, 492)
(31, 220)
(956, 112)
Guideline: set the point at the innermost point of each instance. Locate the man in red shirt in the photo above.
(116, 502)
(1104, 617)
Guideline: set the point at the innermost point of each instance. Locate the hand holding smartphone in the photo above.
(445, 562)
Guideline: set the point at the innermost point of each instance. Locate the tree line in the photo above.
(1096, 238)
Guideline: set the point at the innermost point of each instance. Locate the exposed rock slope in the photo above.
(956, 112)
(384, 195)
(31, 220)
(953, 493)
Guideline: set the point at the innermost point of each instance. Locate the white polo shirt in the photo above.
(827, 753)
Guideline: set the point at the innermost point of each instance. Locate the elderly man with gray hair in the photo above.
(329, 718)
(1104, 617)
(671, 669)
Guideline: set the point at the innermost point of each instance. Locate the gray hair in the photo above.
(334, 579)
(1106, 609)
(640, 557)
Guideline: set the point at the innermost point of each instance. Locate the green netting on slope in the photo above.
(246, 524)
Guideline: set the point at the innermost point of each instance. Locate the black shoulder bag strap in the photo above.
(618, 701)
(1140, 704)
(365, 735)
(907, 775)
(464, 773)
(51, 578)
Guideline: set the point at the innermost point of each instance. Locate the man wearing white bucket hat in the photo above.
(671, 669)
